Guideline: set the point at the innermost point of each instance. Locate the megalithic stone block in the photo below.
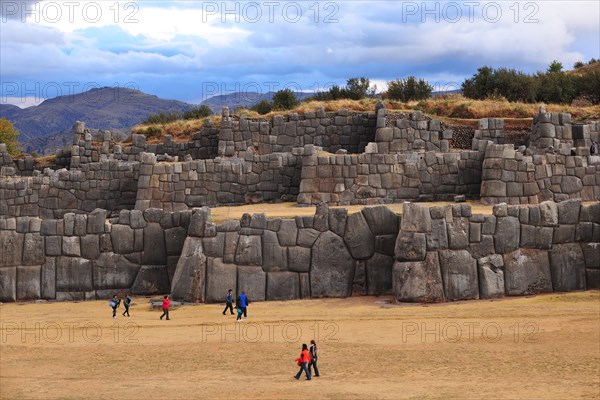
(189, 280)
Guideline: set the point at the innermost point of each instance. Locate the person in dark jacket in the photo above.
(126, 303)
(242, 303)
(593, 148)
(302, 362)
(165, 307)
(313, 358)
(229, 302)
(114, 303)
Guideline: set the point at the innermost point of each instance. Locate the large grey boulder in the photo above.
(507, 237)
(382, 220)
(379, 274)
(332, 267)
(338, 218)
(491, 277)
(274, 256)
(33, 249)
(90, 247)
(420, 281)
(29, 282)
(591, 255)
(359, 238)
(283, 286)
(155, 252)
(527, 271)
(231, 241)
(458, 234)
(288, 232)
(536, 237)
(253, 281)
(188, 283)
(410, 246)
(220, 277)
(8, 284)
(567, 267)
(298, 259)
(114, 271)
(548, 213)
(459, 274)
(73, 274)
(214, 246)
(415, 218)
(151, 280)
(174, 240)
(49, 278)
(11, 248)
(248, 250)
(437, 238)
(568, 211)
(592, 278)
(122, 237)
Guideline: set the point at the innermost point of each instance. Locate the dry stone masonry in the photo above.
(134, 217)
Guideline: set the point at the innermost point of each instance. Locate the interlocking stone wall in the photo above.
(373, 177)
(85, 256)
(448, 253)
(429, 255)
(10, 167)
(346, 130)
(413, 133)
(509, 176)
(108, 184)
(251, 179)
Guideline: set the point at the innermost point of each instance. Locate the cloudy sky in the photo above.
(188, 50)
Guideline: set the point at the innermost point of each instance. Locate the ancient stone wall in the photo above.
(251, 179)
(409, 134)
(345, 130)
(108, 184)
(10, 167)
(373, 177)
(448, 253)
(508, 176)
(429, 255)
(85, 256)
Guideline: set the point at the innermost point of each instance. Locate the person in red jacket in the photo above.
(303, 361)
(165, 306)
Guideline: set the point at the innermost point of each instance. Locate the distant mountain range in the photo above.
(47, 127)
(243, 99)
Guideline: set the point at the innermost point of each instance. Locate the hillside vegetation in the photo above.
(453, 109)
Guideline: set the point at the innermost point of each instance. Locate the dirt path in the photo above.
(540, 347)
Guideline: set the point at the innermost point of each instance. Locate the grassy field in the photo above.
(537, 347)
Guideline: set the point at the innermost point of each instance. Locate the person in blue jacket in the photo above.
(242, 303)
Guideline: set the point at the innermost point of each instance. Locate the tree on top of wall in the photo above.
(9, 135)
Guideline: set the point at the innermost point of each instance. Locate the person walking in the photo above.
(302, 362)
(165, 307)
(114, 303)
(229, 302)
(313, 358)
(242, 302)
(126, 303)
(239, 314)
(593, 148)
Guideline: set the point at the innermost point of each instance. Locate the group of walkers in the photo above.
(241, 304)
(308, 356)
(307, 361)
(115, 302)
